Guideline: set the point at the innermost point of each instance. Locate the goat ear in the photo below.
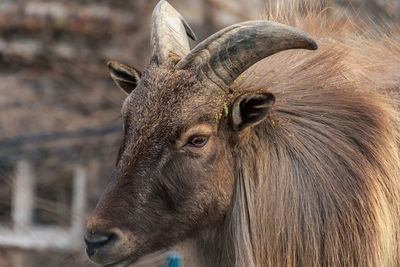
(250, 109)
(126, 77)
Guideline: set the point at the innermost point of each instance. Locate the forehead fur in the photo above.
(170, 99)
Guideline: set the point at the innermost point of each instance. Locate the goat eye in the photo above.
(198, 140)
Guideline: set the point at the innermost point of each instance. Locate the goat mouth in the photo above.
(120, 263)
(123, 262)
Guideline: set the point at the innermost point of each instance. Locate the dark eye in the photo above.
(198, 140)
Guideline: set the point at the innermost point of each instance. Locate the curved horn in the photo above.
(223, 56)
(168, 32)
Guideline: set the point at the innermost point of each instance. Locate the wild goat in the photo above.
(292, 163)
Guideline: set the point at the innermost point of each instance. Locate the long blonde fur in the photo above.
(318, 183)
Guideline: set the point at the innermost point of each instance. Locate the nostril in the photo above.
(97, 238)
(95, 241)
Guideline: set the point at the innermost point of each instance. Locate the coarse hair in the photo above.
(317, 183)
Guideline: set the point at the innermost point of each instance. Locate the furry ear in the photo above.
(250, 109)
(125, 77)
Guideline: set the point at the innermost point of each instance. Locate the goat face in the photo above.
(174, 174)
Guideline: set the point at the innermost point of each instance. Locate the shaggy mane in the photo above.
(317, 183)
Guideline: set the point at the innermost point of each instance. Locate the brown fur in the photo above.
(315, 184)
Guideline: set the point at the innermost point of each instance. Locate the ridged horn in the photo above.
(223, 56)
(168, 33)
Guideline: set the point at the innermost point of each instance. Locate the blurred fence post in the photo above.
(22, 204)
(78, 201)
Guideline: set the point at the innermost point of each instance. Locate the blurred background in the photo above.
(60, 111)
